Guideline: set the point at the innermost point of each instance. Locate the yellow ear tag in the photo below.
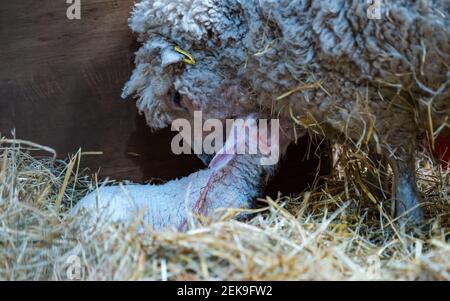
(189, 58)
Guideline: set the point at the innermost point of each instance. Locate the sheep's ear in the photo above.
(169, 57)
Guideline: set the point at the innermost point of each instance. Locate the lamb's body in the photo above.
(230, 181)
(376, 84)
(174, 204)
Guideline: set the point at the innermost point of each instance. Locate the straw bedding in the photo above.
(336, 231)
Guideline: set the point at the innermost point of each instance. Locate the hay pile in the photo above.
(333, 232)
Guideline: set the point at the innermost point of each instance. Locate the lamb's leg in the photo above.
(405, 190)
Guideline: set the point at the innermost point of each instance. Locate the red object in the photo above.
(442, 150)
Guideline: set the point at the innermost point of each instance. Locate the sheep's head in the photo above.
(168, 83)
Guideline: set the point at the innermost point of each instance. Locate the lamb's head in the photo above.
(190, 60)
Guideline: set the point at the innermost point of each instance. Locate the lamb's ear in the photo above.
(169, 57)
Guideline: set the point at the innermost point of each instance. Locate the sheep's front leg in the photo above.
(405, 190)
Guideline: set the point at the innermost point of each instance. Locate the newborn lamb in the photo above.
(230, 181)
(375, 84)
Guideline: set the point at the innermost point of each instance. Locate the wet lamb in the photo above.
(230, 181)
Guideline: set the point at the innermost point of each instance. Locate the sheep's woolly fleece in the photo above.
(330, 232)
(326, 63)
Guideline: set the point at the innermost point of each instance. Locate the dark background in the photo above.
(60, 84)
